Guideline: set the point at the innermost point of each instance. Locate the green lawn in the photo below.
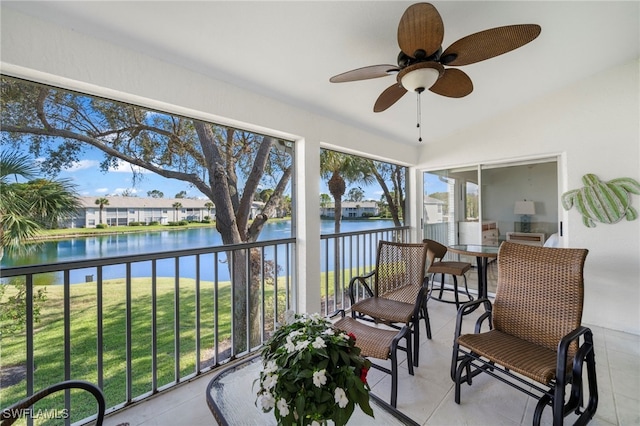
(84, 232)
(49, 337)
(49, 340)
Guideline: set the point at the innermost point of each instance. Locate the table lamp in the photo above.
(525, 208)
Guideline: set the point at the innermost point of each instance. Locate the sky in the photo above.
(90, 181)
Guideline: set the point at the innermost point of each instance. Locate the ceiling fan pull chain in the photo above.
(419, 109)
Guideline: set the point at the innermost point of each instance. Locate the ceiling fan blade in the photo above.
(488, 44)
(365, 73)
(389, 97)
(453, 84)
(420, 29)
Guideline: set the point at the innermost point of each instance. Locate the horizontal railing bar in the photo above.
(106, 261)
(366, 232)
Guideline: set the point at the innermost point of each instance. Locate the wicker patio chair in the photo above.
(456, 269)
(398, 292)
(10, 414)
(382, 344)
(535, 332)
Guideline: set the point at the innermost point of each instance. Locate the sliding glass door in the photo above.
(482, 205)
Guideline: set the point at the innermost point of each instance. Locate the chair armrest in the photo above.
(336, 313)
(468, 308)
(464, 310)
(362, 279)
(421, 300)
(10, 414)
(584, 354)
(581, 353)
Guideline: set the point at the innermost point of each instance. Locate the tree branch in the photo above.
(171, 174)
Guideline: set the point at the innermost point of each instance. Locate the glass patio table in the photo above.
(482, 255)
(231, 397)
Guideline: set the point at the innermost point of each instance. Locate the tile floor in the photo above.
(427, 397)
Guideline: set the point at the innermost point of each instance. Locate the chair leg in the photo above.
(407, 338)
(540, 406)
(466, 288)
(394, 377)
(455, 291)
(427, 322)
(462, 365)
(416, 340)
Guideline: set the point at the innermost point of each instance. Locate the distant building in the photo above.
(352, 209)
(123, 210)
(433, 210)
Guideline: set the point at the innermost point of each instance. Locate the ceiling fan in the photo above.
(421, 61)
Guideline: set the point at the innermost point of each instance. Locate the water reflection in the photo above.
(152, 242)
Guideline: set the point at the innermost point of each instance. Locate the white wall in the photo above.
(595, 126)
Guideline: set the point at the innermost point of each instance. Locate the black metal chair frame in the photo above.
(465, 365)
(10, 414)
(420, 309)
(455, 290)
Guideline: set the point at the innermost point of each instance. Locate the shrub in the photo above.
(134, 223)
(180, 223)
(102, 226)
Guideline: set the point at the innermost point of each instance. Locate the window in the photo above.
(360, 182)
(154, 138)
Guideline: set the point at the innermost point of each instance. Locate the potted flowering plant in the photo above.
(312, 373)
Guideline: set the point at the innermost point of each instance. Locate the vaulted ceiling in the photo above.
(288, 50)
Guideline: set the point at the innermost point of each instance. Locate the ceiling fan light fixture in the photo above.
(421, 76)
(420, 79)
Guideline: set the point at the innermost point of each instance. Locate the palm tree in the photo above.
(340, 168)
(209, 206)
(26, 208)
(177, 205)
(102, 201)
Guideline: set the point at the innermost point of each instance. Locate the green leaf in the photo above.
(365, 406)
(306, 373)
(300, 405)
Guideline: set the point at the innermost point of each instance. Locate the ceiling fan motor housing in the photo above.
(405, 60)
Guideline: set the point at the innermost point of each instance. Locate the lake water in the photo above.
(151, 242)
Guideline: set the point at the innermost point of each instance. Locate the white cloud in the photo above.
(125, 167)
(121, 190)
(82, 165)
(101, 190)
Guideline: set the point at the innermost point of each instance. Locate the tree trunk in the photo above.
(337, 188)
(232, 225)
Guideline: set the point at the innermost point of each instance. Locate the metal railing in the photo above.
(443, 232)
(160, 319)
(349, 254)
(156, 320)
